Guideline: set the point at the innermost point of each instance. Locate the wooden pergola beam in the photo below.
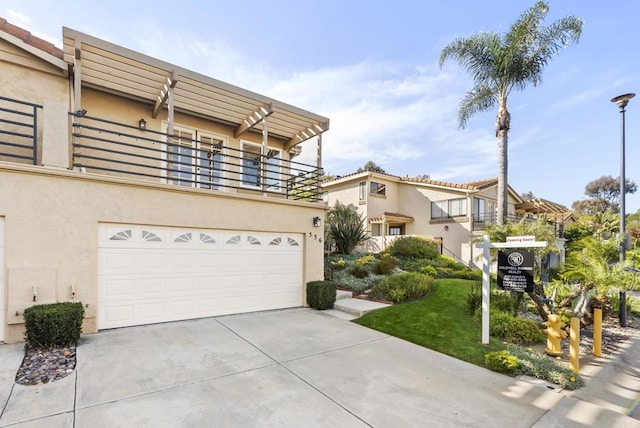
(164, 94)
(253, 119)
(305, 134)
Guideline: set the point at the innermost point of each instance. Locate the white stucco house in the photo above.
(455, 215)
(147, 191)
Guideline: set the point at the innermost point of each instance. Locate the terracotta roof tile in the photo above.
(30, 39)
(397, 215)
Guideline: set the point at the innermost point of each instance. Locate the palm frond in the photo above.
(478, 99)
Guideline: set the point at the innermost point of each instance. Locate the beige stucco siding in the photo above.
(52, 218)
(27, 78)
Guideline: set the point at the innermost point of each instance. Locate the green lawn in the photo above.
(440, 321)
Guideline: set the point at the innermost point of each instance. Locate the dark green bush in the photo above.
(501, 362)
(359, 271)
(412, 247)
(402, 287)
(321, 294)
(385, 265)
(513, 329)
(57, 324)
(505, 302)
(413, 265)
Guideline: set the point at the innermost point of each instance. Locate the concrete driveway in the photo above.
(287, 368)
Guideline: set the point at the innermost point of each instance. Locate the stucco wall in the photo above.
(52, 217)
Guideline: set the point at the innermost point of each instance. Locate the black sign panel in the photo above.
(515, 270)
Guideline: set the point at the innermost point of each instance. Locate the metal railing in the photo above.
(111, 148)
(18, 131)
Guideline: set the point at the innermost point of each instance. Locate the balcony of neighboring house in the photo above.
(103, 147)
(481, 221)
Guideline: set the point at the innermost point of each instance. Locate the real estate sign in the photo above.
(515, 270)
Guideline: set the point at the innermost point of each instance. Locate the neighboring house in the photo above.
(455, 215)
(146, 191)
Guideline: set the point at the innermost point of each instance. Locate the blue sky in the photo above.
(372, 68)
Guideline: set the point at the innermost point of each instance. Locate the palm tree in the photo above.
(499, 63)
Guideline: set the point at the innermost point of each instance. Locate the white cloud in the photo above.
(402, 117)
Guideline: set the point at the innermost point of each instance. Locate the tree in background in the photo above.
(371, 166)
(527, 196)
(346, 228)
(500, 63)
(603, 194)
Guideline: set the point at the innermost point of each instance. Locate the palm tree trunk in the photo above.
(503, 122)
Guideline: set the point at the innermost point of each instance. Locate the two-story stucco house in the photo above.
(147, 191)
(455, 215)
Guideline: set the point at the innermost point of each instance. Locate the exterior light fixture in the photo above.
(622, 101)
(142, 124)
(316, 221)
(446, 227)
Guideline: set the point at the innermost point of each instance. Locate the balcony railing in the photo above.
(110, 148)
(18, 131)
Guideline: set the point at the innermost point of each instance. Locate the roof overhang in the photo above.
(112, 68)
(39, 53)
(392, 218)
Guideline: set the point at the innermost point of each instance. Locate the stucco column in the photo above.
(55, 135)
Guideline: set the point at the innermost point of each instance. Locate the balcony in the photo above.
(100, 146)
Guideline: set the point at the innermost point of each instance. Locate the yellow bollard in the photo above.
(597, 332)
(574, 345)
(554, 333)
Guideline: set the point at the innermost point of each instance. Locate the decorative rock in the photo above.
(46, 365)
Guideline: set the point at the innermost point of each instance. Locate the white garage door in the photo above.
(155, 274)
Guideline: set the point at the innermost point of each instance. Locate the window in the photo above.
(210, 161)
(251, 167)
(449, 208)
(396, 230)
(376, 229)
(483, 210)
(195, 159)
(181, 157)
(362, 191)
(378, 188)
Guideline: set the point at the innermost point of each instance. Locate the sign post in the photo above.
(512, 242)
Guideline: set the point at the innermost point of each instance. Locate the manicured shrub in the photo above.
(501, 362)
(402, 287)
(414, 248)
(321, 294)
(51, 325)
(513, 329)
(385, 265)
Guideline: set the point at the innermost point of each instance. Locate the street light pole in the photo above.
(622, 101)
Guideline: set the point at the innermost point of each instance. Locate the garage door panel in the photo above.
(119, 315)
(154, 274)
(180, 285)
(114, 260)
(152, 261)
(118, 288)
(151, 311)
(150, 286)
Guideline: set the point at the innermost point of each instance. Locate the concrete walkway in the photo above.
(295, 368)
